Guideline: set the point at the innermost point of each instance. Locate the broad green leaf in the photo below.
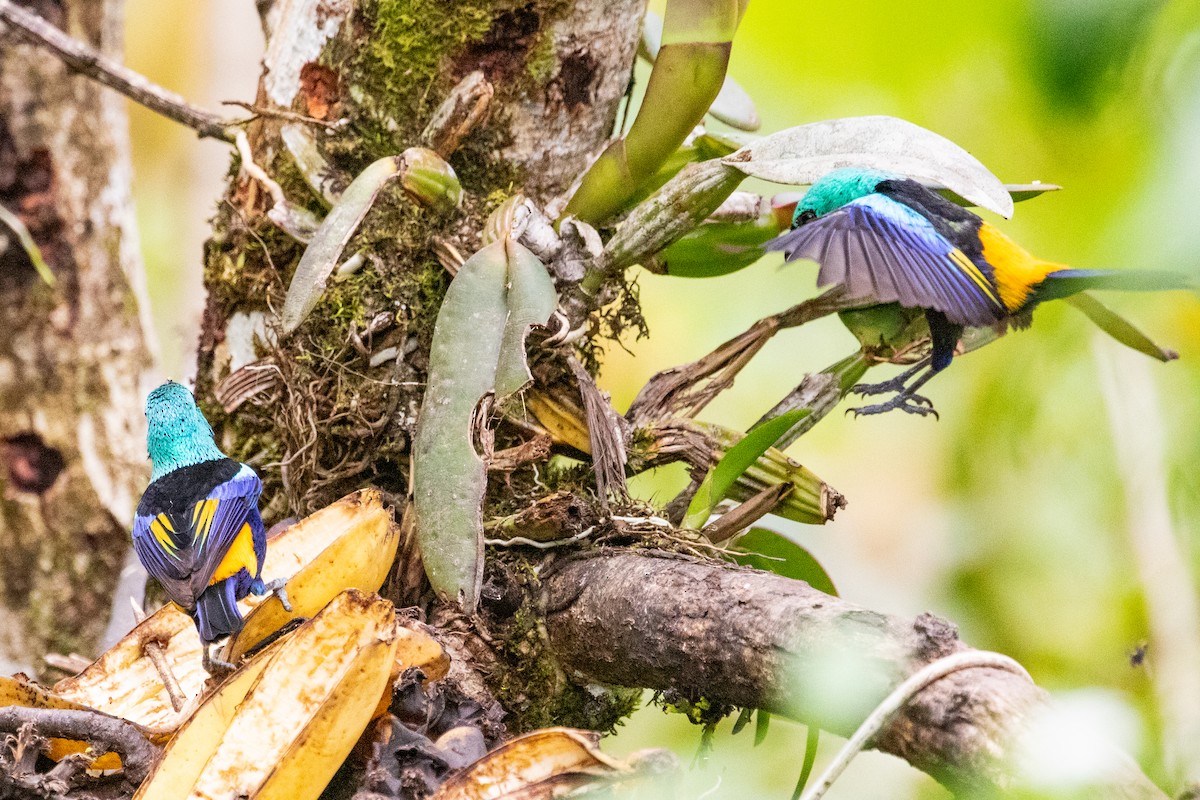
(736, 461)
(480, 331)
(769, 551)
(531, 301)
(1119, 328)
(801, 155)
(719, 248)
(733, 105)
(687, 76)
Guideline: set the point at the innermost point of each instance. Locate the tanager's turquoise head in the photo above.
(178, 435)
(835, 189)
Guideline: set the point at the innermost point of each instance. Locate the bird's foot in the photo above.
(214, 665)
(278, 587)
(895, 384)
(905, 401)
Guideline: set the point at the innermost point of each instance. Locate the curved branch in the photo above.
(104, 733)
(755, 639)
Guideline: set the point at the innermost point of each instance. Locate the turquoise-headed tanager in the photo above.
(197, 529)
(887, 239)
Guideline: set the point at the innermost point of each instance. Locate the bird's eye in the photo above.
(807, 215)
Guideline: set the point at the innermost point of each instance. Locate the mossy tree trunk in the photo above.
(74, 357)
(337, 413)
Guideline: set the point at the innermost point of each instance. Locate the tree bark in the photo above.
(75, 358)
(746, 638)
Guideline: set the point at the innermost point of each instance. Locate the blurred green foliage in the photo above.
(1009, 516)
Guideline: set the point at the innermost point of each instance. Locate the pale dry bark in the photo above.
(74, 359)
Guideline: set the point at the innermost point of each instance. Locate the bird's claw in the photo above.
(214, 665)
(908, 403)
(278, 587)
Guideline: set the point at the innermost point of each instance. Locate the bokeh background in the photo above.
(1053, 511)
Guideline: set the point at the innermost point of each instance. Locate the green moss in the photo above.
(533, 688)
(542, 62)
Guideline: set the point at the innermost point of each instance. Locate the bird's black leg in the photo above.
(896, 384)
(217, 667)
(906, 399)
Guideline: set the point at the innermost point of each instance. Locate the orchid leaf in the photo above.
(737, 460)
(478, 342)
(801, 155)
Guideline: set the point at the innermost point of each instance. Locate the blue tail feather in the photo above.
(217, 614)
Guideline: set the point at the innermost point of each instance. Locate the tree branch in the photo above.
(83, 59)
(757, 640)
(106, 734)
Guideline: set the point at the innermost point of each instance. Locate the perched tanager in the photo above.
(198, 529)
(886, 239)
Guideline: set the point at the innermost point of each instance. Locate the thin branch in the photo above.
(900, 697)
(685, 390)
(158, 657)
(85, 60)
(104, 733)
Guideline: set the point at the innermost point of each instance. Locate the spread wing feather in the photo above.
(883, 251)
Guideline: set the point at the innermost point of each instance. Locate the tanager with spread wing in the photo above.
(887, 239)
(197, 528)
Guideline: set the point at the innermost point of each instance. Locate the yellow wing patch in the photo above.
(968, 266)
(1017, 270)
(202, 519)
(241, 554)
(162, 529)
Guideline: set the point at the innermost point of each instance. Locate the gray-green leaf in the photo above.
(801, 155)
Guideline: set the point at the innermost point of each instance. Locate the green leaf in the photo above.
(801, 155)
(811, 741)
(13, 222)
(733, 105)
(719, 248)
(531, 300)
(687, 76)
(734, 463)
(325, 249)
(762, 723)
(1119, 328)
(479, 333)
(769, 551)
(426, 179)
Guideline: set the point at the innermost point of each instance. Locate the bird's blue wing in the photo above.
(165, 557)
(218, 522)
(883, 251)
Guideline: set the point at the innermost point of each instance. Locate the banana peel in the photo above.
(547, 763)
(282, 725)
(360, 557)
(124, 682)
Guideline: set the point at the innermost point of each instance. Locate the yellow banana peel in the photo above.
(543, 763)
(282, 725)
(125, 683)
(358, 556)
